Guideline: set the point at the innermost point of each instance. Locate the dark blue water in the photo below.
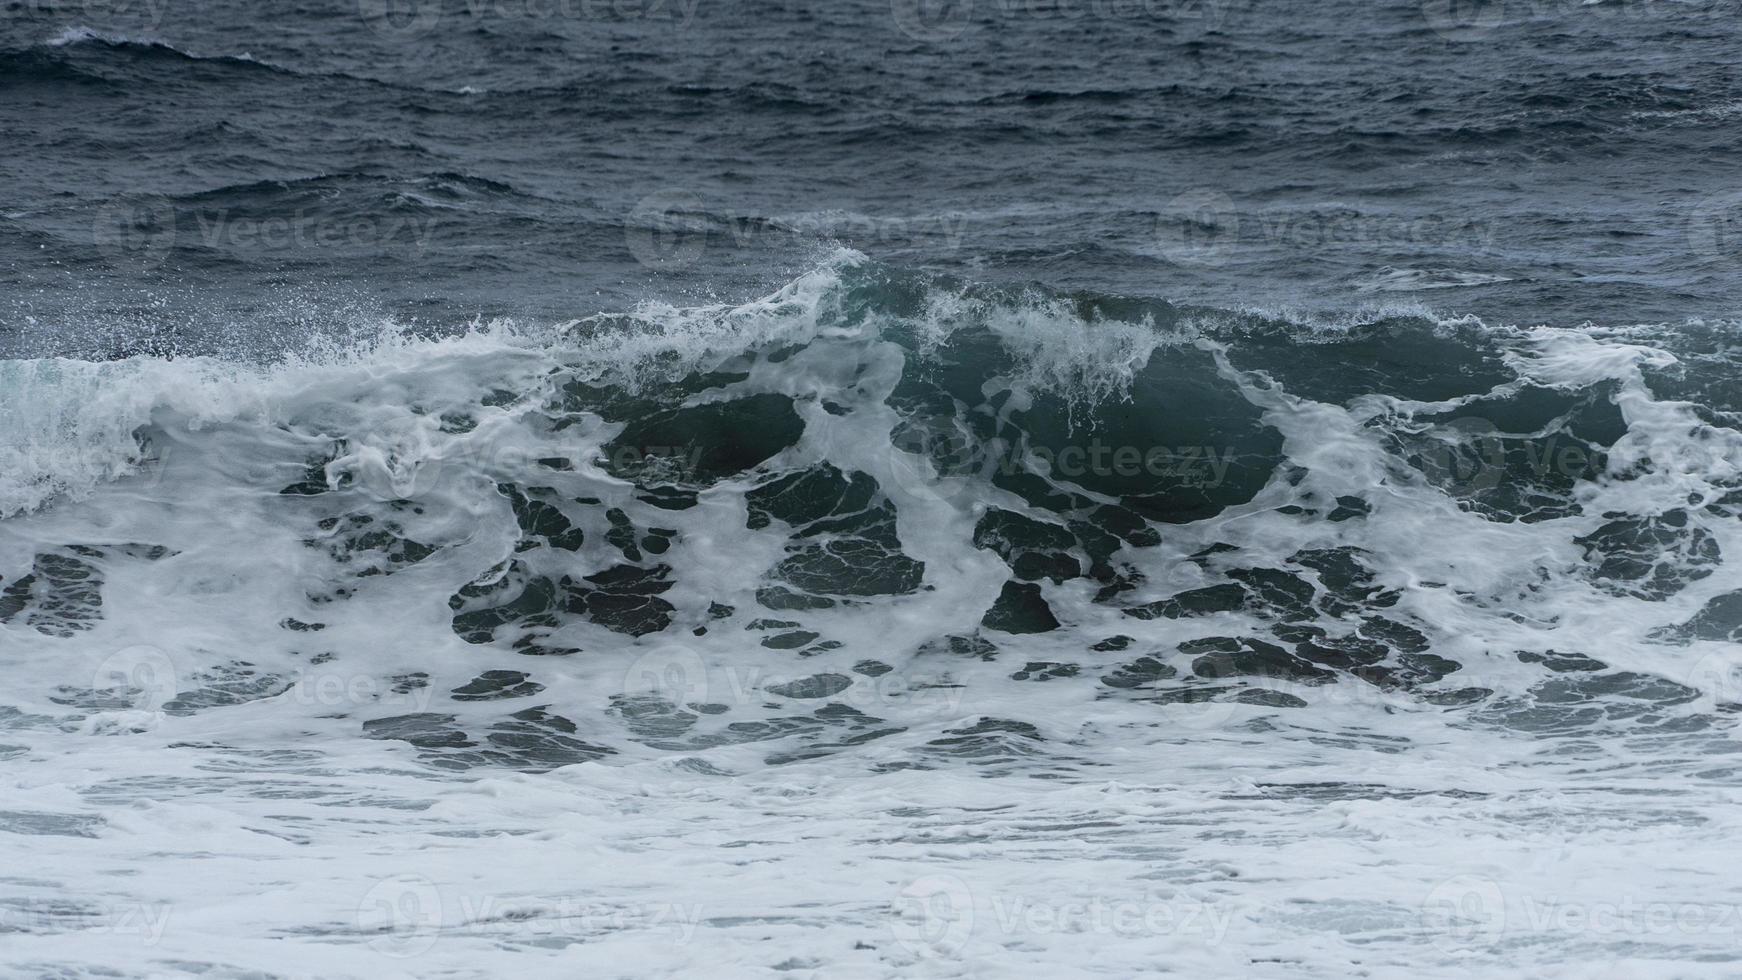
(219, 177)
(924, 469)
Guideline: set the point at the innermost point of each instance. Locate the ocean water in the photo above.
(988, 488)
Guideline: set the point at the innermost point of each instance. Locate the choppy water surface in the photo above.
(869, 490)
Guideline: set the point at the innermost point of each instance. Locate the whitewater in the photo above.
(890, 625)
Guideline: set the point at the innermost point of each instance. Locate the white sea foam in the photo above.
(188, 761)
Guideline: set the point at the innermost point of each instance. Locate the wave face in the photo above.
(1370, 585)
